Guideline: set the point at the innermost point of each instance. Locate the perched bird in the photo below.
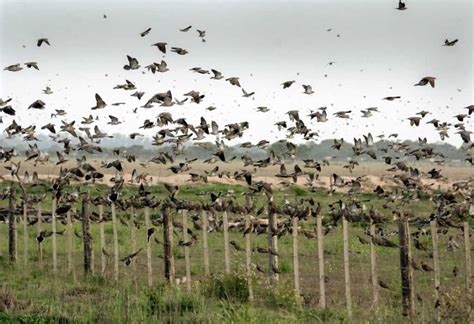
(426, 267)
(384, 285)
(236, 246)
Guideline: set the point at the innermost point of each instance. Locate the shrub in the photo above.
(279, 296)
(232, 287)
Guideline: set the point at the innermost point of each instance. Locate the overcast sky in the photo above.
(380, 52)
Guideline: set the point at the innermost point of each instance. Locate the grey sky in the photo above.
(380, 52)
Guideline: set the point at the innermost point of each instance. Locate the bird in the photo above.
(392, 98)
(146, 32)
(186, 28)
(13, 68)
(132, 63)
(287, 84)
(234, 81)
(99, 102)
(129, 258)
(401, 5)
(8, 110)
(47, 90)
(247, 94)
(426, 267)
(32, 65)
(37, 104)
(455, 271)
(450, 43)
(202, 34)
(113, 120)
(236, 246)
(179, 50)
(384, 285)
(42, 41)
(263, 109)
(363, 240)
(217, 75)
(414, 121)
(161, 46)
(308, 89)
(424, 81)
(42, 236)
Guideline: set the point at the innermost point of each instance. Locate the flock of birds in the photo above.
(83, 137)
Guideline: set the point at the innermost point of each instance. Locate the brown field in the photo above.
(373, 173)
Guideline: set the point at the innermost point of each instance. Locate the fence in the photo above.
(214, 244)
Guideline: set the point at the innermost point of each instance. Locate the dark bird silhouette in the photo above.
(129, 258)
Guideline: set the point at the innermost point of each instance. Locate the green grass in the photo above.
(40, 296)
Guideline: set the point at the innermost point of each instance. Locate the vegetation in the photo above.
(34, 294)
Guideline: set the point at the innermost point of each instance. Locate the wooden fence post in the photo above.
(434, 240)
(11, 226)
(205, 244)
(408, 293)
(86, 235)
(322, 283)
(148, 247)
(69, 242)
(92, 255)
(39, 229)
(226, 242)
(116, 245)
(186, 250)
(467, 258)
(168, 245)
(133, 233)
(53, 237)
(373, 269)
(272, 243)
(345, 233)
(296, 265)
(102, 239)
(248, 251)
(25, 229)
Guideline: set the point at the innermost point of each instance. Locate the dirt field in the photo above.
(373, 174)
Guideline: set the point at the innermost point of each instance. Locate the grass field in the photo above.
(33, 293)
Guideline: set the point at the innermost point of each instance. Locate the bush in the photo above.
(231, 287)
(279, 296)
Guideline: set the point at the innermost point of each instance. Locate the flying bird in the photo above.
(425, 81)
(161, 46)
(146, 32)
(186, 29)
(41, 41)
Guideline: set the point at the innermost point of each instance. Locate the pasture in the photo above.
(31, 290)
